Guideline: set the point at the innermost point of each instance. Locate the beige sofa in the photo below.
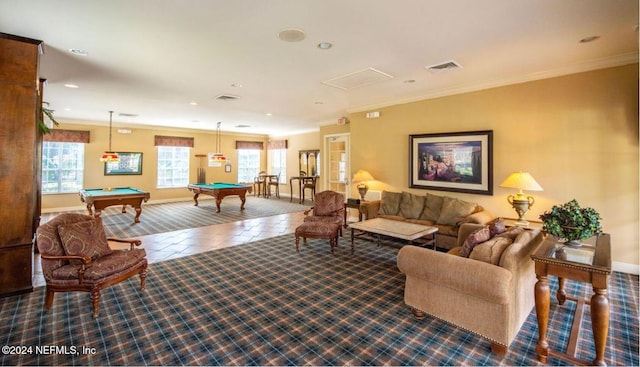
(443, 212)
(490, 293)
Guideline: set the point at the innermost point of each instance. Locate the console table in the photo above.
(589, 263)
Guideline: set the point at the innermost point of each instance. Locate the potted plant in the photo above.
(571, 222)
(49, 115)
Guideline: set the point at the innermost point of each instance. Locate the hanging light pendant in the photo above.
(110, 155)
(217, 159)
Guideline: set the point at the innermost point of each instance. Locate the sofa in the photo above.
(489, 293)
(445, 213)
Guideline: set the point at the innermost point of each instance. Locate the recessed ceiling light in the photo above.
(409, 81)
(193, 103)
(236, 85)
(71, 86)
(67, 109)
(318, 102)
(269, 114)
(324, 45)
(79, 52)
(589, 39)
(291, 35)
(243, 126)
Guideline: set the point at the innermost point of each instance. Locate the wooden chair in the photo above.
(76, 257)
(259, 184)
(309, 182)
(328, 207)
(274, 181)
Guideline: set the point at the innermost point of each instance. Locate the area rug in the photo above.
(265, 304)
(167, 217)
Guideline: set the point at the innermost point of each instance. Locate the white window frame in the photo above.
(278, 163)
(248, 164)
(69, 161)
(176, 173)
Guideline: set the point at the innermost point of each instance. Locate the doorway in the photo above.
(336, 177)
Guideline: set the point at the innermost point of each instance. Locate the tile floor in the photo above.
(172, 245)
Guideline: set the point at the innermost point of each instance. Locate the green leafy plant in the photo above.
(49, 114)
(571, 222)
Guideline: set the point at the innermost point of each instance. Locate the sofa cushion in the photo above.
(84, 239)
(390, 203)
(476, 237)
(411, 205)
(490, 251)
(454, 211)
(432, 208)
(512, 233)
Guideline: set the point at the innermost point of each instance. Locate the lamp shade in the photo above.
(521, 181)
(362, 176)
(109, 157)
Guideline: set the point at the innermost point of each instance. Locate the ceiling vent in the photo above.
(227, 97)
(128, 114)
(445, 66)
(358, 79)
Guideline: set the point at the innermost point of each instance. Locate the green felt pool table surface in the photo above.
(114, 191)
(219, 190)
(99, 199)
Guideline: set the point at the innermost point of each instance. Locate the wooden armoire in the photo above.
(20, 160)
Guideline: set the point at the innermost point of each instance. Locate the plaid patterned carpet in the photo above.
(264, 304)
(167, 217)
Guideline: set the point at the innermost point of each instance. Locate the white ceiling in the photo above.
(153, 58)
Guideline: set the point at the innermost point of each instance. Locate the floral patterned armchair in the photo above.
(328, 207)
(76, 256)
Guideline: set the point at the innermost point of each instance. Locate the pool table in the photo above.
(219, 190)
(102, 198)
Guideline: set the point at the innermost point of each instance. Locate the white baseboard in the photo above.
(625, 267)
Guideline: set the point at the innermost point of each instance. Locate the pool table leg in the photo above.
(124, 208)
(243, 199)
(89, 209)
(195, 198)
(218, 201)
(138, 212)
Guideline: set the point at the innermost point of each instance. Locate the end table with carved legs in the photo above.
(590, 263)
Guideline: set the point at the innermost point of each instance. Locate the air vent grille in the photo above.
(358, 79)
(227, 97)
(445, 66)
(128, 114)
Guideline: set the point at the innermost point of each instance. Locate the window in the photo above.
(62, 167)
(279, 163)
(173, 166)
(248, 164)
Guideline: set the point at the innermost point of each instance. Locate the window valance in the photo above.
(255, 145)
(278, 144)
(68, 136)
(173, 141)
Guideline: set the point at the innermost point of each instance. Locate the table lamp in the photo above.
(521, 202)
(360, 177)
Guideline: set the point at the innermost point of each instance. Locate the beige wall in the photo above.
(577, 135)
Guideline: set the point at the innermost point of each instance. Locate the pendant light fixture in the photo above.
(110, 155)
(217, 159)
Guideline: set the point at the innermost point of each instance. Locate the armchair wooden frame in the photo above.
(93, 288)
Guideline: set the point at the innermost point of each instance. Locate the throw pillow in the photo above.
(490, 251)
(476, 237)
(84, 239)
(432, 207)
(497, 226)
(411, 205)
(454, 211)
(390, 203)
(511, 233)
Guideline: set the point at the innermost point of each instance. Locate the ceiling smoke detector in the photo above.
(227, 97)
(442, 67)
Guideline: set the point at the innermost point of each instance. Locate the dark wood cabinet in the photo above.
(20, 160)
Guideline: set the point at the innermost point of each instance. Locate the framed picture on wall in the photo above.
(130, 164)
(457, 161)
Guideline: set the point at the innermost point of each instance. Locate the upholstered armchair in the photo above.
(328, 207)
(76, 256)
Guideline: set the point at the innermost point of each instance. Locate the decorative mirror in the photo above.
(310, 162)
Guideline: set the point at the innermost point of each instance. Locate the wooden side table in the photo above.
(589, 263)
(352, 206)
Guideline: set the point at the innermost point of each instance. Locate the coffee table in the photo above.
(395, 229)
